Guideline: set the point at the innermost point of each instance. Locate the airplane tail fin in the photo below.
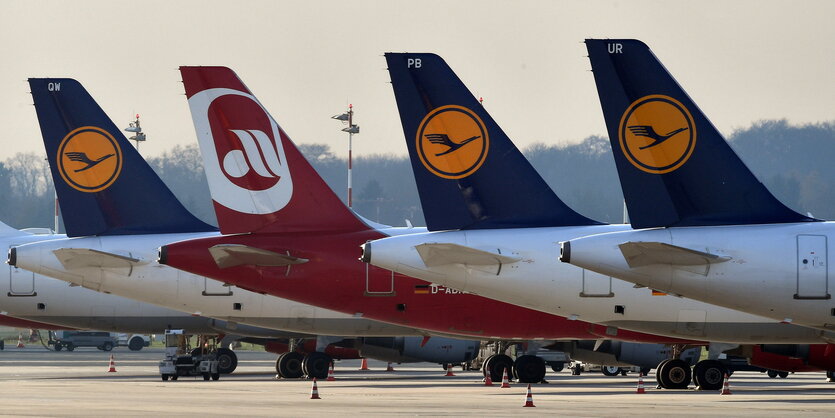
(105, 187)
(675, 168)
(259, 180)
(469, 174)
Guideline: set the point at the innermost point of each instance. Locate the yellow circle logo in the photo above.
(89, 159)
(657, 134)
(452, 142)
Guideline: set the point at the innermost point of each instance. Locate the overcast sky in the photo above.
(741, 61)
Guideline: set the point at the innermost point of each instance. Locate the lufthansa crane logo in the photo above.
(89, 159)
(452, 142)
(657, 134)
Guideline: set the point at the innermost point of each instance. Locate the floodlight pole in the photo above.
(350, 141)
(351, 129)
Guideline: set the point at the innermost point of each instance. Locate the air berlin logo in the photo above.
(452, 142)
(241, 146)
(657, 134)
(258, 150)
(89, 159)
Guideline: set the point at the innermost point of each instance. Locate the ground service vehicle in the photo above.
(181, 360)
(72, 339)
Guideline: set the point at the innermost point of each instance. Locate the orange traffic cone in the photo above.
(487, 380)
(529, 399)
(389, 368)
(330, 374)
(20, 341)
(364, 365)
(505, 380)
(314, 392)
(449, 370)
(726, 389)
(641, 384)
(112, 365)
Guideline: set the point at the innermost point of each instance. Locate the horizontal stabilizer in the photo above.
(231, 255)
(78, 258)
(438, 254)
(638, 254)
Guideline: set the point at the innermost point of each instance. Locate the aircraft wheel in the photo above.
(675, 374)
(529, 369)
(484, 366)
(205, 376)
(658, 373)
(164, 378)
(215, 376)
(497, 365)
(783, 375)
(610, 370)
(227, 361)
(709, 375)
(289, 365)
(772, 373)
(316, 364)
(557, 366)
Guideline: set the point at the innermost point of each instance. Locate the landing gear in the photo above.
(289, 365)
(227, 361)
(775, 373)
(316, 364)
(529, 369)
(673, 374)
(496, 365)
(658, 373)
(611, 370)
(709, 374)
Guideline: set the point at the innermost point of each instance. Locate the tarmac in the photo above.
(37, 382)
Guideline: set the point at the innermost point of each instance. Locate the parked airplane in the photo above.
(272, 204)
(52, 304)
(508, 225)
(121, 212)
(706, 228)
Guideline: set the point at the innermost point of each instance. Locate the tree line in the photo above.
(794, 161)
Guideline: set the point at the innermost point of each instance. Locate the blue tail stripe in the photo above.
(132, 200)
(708, 186)
(503, 192)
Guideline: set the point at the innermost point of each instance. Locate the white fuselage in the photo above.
(164, 286)
(780, 271)
(540, 281)
(35, 297)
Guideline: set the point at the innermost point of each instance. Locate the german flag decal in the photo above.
(421, 289)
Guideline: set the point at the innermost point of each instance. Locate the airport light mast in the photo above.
(348, 117)
(135, 128)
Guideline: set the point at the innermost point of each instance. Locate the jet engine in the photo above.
(621, 353)
(794, 357)
(416, 349)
